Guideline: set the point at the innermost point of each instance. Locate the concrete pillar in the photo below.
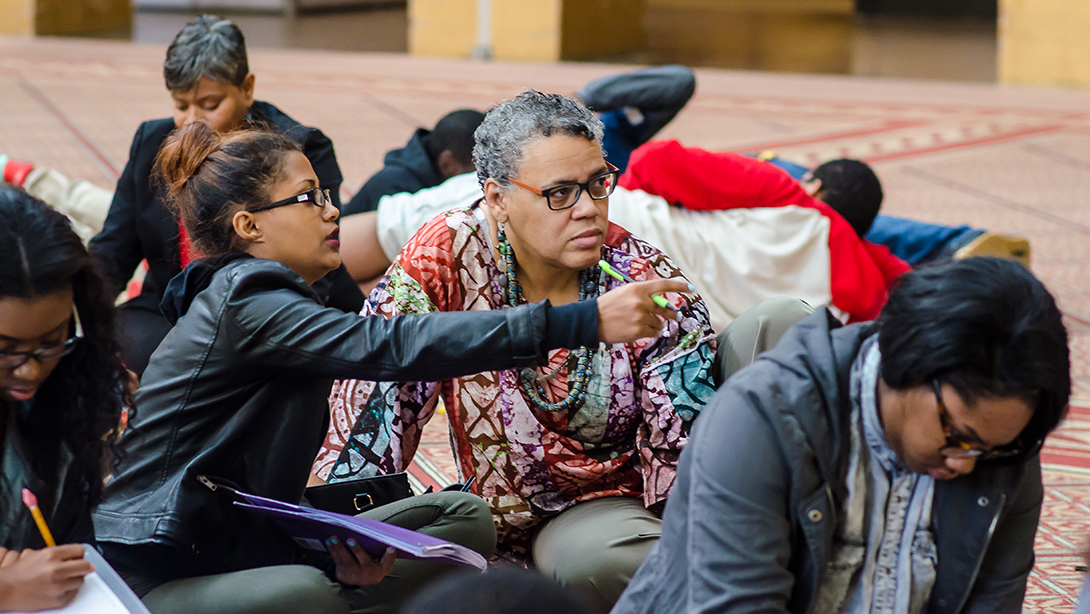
(1044, 42)
(780, 35)
(534, 30)
(44, 17)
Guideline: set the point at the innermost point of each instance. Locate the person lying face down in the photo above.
(889, 466)
(736, 257)
(573, 458)
(237, 390)
(428, 159)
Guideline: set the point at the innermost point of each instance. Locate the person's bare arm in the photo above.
(360, 250)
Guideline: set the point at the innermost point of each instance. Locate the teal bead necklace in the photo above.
(528, 380)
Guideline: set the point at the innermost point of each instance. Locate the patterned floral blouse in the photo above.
(530, 464)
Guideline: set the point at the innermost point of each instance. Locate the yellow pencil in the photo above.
(32, 502)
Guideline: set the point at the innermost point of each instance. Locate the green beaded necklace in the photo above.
(528, 382)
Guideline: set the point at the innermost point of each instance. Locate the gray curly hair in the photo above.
(210, 47)
(511, 124)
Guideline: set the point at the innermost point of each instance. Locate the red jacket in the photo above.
(861, 273)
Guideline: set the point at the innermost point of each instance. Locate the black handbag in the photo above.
(360, 495)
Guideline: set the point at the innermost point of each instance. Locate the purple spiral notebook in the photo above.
(310, 527)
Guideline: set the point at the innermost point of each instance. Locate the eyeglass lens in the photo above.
(564, 196)
(14, 360)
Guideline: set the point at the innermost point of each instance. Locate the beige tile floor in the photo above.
(1014, 160)
(1010, 159)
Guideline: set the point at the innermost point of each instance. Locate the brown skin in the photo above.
(360, 250)
(36, 580)
(26, 325)
(355, 567)
(299, 235)
(913, 428)
(552, 247)
(222, 105)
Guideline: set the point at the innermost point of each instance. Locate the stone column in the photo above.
(533, 30)
(45, 17)
(1044, 42)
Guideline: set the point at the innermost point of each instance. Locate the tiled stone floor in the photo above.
(1009, 159)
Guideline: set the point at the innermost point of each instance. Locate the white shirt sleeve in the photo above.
(401, 215)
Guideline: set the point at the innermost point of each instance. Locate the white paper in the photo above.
(95, 597)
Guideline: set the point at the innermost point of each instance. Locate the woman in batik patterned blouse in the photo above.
(575, 459)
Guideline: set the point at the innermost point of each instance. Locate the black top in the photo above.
(238, 392)
(65, 506)
(140, 226)
(409, 169)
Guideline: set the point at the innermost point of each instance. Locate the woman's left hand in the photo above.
(355, 567)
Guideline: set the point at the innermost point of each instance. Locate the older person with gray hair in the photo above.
(208, 75)
(575, 459)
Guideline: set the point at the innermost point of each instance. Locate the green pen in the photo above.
(659, 299)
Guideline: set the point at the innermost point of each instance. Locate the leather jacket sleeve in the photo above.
(279, 329)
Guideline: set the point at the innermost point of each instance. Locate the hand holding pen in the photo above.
(34, 580)
(632, 311)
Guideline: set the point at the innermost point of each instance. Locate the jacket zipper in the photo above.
(984, 551)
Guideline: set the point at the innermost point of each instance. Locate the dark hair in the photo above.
(498, 591)
(80, 404)
(208, 177)
(454, 133)
(210, 47)
(985, 326)
(852, 189)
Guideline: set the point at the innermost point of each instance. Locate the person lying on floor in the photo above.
(889, 466)
(428, 159)
(736, 258)
(60, 401)
(848, 197)
(632, 106)
(237, 390)
(574, 458)
(208, 76)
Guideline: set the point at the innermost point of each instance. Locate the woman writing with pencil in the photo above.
(60, 403)
(575, 458)
(237, 392)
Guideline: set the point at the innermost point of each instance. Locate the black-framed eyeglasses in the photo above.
(315, 196)
(14, 360)
(956, 446)
(565, 195)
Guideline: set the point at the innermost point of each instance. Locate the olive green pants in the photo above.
(298, 589)
(595, 547)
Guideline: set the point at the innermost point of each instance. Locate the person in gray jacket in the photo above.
(879, 467)
(237, 392)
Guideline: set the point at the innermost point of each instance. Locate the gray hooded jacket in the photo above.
(750, 523)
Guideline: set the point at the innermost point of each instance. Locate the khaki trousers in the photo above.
(595, 547)
(299, 589)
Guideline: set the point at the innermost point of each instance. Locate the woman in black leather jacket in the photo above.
(237, 390)
(60, 394)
